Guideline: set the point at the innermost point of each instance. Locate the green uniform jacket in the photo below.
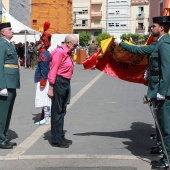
(9, 77)
(159, 65)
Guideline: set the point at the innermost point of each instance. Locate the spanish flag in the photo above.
(114, 61)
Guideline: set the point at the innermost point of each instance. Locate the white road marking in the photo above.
(30, 140)
(76, 156)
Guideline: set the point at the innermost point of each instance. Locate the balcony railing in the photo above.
(80, 25)
(140, 29)
(140, 16)
(96, 14)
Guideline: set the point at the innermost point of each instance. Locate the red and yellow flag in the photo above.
(166, 10)
(114, 61)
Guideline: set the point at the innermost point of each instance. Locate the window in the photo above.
(84, 22)
(140, 10)
(161, 8)
(76, 32)
(80, 10)
(140, 26)
(34, 22)
(97, 33)
(111, 24)
(123, 25)
(117, 12)
(117, 24)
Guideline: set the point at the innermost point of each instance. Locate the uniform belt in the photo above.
(11, 65)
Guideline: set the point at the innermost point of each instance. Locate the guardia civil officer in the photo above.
(159, 79)
(9, 82)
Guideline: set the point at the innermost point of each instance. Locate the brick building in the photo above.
(58, 13)
(156, 8)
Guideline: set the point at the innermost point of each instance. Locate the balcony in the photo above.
(140, 16)
(96, 2)
(80, 25)
(140, 30)
(96, 14)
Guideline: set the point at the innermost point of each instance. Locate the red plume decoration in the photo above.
(46, 37)
(46, 26)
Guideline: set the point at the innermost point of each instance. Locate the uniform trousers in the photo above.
(162, 113)
(6, 107)
(58, 108)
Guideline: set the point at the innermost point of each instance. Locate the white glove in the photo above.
(160, 97)
(3, 92)
(117, 41)
(146, 75)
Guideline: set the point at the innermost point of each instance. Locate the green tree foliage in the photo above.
(145, 37)
(101, 37)
(84, 38)
(137, 38)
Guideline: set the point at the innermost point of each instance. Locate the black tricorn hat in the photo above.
(5, 25)
(161, 19)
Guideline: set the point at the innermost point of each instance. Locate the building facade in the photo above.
(58, 13)
(89, 16)
(20, 9)
(156, 8)
(118, 17)
(139, 16)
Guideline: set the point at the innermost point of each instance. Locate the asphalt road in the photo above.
(106, 119)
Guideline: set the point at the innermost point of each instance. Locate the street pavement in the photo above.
(106, 119)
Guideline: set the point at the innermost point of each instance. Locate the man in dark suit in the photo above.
(158, 81)
(9, 82)
(92, 49)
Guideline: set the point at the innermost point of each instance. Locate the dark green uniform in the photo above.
(10, 79)
(159, 81)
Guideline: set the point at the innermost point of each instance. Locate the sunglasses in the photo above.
(75, 45)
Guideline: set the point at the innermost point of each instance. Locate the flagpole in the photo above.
(1, 10)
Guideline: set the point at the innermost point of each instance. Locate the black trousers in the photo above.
(162, 112)
(6, 107)
(58, 108)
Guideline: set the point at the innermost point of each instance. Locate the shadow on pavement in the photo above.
(138, 143)
(47, 135)
(12, 135)
(37, 117)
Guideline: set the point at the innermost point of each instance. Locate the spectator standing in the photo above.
(92, 49)
(41, 74)
(61, 70)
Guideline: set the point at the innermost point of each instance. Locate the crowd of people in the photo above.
(31, 54)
